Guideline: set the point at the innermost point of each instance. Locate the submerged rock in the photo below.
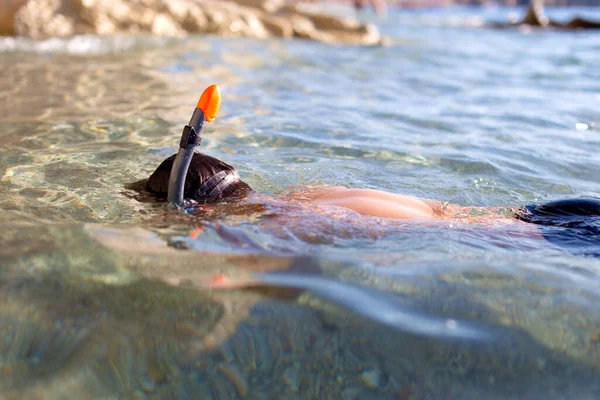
(252, 18)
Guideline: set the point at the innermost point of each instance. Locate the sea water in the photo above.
(102, 286)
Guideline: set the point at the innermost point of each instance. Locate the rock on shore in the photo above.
(536, 18)
(253, 18)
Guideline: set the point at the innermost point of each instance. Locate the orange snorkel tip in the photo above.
(209, 102)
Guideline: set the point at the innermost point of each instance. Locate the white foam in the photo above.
(81, 44)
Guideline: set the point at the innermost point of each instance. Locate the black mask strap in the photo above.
(213, 187)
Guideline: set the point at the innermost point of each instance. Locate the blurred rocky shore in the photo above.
(252, 18)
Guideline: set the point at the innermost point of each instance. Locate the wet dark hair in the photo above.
(202, 168)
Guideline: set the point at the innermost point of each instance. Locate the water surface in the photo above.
(393, 310)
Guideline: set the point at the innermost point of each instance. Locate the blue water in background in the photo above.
(448, 111)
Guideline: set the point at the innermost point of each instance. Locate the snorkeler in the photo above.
(190, 177)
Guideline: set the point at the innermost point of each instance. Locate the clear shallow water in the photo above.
(450, 112)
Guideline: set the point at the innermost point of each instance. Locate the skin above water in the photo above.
(374, 203)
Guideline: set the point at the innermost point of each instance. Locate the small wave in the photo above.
(82, 44)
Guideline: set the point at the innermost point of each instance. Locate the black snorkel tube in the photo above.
(190, 138)
(206, 110)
